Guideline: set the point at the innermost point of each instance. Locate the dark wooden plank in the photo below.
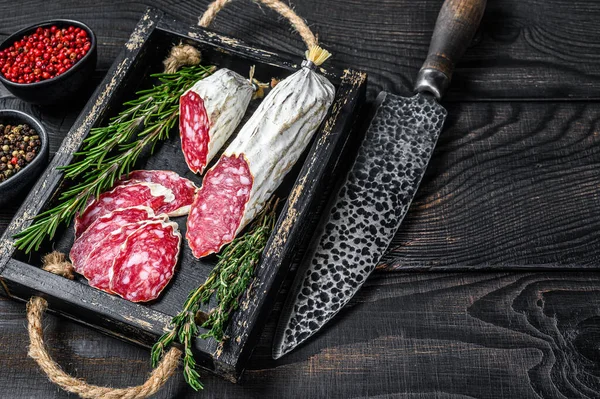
(464, 335)
(510, 185)
(525, 335)
(407, 336)
(527, 49)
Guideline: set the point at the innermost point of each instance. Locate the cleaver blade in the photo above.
(365, 214)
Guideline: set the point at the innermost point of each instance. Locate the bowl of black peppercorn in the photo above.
(24, 152)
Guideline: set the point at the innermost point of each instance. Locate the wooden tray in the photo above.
(22, 277)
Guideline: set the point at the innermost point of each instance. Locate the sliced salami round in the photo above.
(209, 113)
(100, 229)
(182, 188)
(193, 130)
(152, 195)
(219, 206)
(146, 262)
(98, 268)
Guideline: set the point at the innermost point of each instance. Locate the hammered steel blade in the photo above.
(364, 217)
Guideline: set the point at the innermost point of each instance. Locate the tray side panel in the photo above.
(294, 224)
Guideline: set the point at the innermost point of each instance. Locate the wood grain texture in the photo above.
(526, 48)
(403, 336)
(509, 185)
(411, 335)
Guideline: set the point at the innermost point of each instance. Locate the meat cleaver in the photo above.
(365, 214)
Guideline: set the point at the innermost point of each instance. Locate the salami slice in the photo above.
(182, 188)
(98, 268)
(152, 195)
(209, 112)
(99, 230)
(193, 130)
(146, 262)
(219, 206)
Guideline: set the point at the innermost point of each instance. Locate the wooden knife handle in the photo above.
(455, 27)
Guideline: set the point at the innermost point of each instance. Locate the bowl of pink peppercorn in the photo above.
(48, 62)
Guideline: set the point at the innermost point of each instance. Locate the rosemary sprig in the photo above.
(111, 151)
(228, 281)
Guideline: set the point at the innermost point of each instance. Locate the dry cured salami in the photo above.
(218, 208)
(209, 112)
(146, 262)
(267, 146)
(100, 229)
(98, 267)
(182, 188)
(152, 195)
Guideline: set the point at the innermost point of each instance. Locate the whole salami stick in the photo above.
(236, 189)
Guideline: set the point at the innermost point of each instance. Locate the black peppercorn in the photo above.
(18, 147)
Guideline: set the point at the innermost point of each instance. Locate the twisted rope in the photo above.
(184, 54)
(56, 263)
(277, 5)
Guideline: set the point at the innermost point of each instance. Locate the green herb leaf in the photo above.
(228, 281)
(111, 151)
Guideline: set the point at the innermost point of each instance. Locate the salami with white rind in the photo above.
(209, 113)
(146, 262)
(152, 195)
(182, 188)
(270, 143)
(100, 229)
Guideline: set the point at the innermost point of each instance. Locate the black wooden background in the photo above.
(514, 183)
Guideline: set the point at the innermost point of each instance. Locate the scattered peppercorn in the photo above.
(44, 54)
(20, 146)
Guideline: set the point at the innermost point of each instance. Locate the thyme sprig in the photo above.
(228, 281)
(111, 151)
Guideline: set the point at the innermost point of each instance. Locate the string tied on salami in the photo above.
(315, 56)
(258, 87)
(55, 263)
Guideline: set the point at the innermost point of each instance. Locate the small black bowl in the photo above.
(61, 87)
(17, 184)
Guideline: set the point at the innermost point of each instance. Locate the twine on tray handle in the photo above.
(56, 263)
(184, 54)
(283, 9)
